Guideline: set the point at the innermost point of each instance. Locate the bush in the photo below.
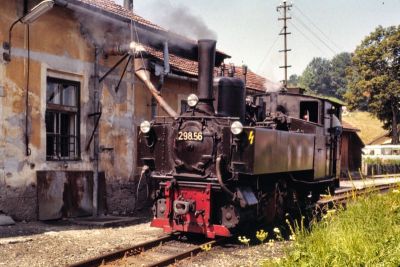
(367, 233)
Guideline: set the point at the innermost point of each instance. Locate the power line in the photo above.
(269, 51)
(307, 38)
(319, 29)
(316, 36)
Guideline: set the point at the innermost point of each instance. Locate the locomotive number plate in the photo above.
(190, 136)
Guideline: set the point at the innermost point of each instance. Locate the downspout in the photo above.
(25, 11)
(166, 68)
(164, 72)
(96, 107)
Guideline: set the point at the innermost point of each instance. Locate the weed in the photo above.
(244, 240)
(367, 233)
(206, 247)
(261, 235)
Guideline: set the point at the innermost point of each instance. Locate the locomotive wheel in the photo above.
(276, 202)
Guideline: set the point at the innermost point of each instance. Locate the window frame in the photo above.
(59, 110)
(308, 102)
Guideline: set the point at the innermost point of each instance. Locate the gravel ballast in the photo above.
(62, 243)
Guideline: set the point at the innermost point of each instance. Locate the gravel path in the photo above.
(61, 243)
(39, 244)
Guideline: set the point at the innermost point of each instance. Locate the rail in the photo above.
(124, 256)
(343, 196)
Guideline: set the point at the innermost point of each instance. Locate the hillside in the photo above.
(370, 127)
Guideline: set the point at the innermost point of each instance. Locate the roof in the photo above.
(112, 7)
(178, 63)
(155, 35)
(253, 80)
(190, 67)
(347, 126)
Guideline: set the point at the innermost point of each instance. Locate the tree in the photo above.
(374, 78)
(316, 78)
(339, 64)
(327, 77)
(293, 80)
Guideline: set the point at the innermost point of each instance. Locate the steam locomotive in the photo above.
(252, 160)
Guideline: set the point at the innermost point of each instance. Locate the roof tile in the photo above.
(179, 64)
(111, 6)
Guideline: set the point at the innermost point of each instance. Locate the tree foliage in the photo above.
(374, 78)
(293, 80)
(339, 64)
(327, 77)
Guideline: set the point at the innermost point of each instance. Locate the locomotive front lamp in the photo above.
(30, 17)
(145, 127)
(192, 100)
(236, 128)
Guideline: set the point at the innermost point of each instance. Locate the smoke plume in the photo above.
(179, 19)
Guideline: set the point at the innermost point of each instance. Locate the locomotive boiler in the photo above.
(251, 159)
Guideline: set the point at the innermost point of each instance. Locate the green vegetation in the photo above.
(367, 233)
(373, 77)
(370, 127)
(366, 79)
(325, 77)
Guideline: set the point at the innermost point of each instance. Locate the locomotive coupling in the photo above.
(183, 207)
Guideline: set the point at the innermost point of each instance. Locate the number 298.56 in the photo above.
(190, 136)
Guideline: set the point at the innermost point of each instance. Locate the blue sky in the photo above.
(248, 30)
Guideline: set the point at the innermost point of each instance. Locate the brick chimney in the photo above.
(128, 4)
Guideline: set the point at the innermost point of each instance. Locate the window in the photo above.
(309, 111)
(62, 120)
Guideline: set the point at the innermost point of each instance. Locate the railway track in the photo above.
(170, 249)
(341, 197)
(159, 252)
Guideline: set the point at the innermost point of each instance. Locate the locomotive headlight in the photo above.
(192, 100)
(145, 127)
(236, 128)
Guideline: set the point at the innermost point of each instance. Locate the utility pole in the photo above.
(285, 8)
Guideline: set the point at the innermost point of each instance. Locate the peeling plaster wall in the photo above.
(58, 49)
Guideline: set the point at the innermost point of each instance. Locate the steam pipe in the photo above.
(219, 178)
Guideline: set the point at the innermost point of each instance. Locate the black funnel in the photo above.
(206, 57)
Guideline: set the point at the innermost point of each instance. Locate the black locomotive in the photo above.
(253, 159)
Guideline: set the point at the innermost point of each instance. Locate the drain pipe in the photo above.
(164, 72)
(96, 107)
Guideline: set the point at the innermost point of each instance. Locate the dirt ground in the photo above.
(235, 255)
(62, 243)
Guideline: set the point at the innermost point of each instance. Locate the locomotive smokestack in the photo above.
(206, 58)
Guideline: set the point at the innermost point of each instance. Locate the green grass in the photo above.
(367, 233)
(370, 127)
